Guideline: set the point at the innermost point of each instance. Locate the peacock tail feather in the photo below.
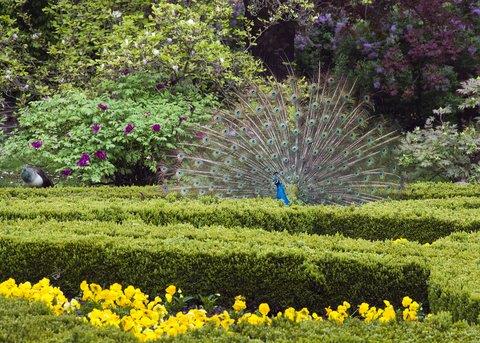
(316, 136)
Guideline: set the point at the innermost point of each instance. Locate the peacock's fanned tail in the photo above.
(316, 136)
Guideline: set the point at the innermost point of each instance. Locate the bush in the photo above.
(280, 269)
(418, 220)
(22, 321)
(441, 153)
(36, 324)
(411, 54)
(121, 139)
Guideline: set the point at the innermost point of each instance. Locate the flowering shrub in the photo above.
(131, 310)
(94, 139)
(441, 152)
(410, 54)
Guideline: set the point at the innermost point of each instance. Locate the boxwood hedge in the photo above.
(22, 322)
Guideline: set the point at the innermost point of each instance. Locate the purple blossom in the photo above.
(476, 10)
(101, 155)
(200, 134)
(156, 127)
(376, 84)
(325, 19)
(103, 106)
(238, 8)
(161, 86)
(84, 160)
(301, 41)
(67, 172)
(340, 26)
(128, 128)
(95, 128)
(393, 28)
(37, 144)
(472, 50)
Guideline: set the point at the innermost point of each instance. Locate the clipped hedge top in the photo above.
(418, 220)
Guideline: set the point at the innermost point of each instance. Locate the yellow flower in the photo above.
(414, 306)
(171, 290)
(239, 304)
(363, 308)
(264, 309)
(169, 297)
(406, 301)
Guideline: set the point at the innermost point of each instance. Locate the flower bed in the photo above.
(132, 311)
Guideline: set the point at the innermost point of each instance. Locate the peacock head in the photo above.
(276, 179)
(27, 174)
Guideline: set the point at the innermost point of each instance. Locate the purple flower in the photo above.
(301, 42)
(476, 10)
(101, 155)
(37, 144)
(128, 128)
(376, 84)
(161, 86)
(472, 50)
(67, 172)
(103, 106)
(84, 160)
(200, 134)
(182, 119)
(95, 128)
(325, 19)
(156, 127)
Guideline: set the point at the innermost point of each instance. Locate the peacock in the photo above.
(35, 177)
(312, 141)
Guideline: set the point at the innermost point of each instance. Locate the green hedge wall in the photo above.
(22, 321)
(418, 220)
(301, 270)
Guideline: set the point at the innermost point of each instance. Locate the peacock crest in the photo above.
(314, 137)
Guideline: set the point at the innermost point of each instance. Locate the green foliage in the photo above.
(66, 125)
(471, 90)
(22, 321)
(441, 153)
(36, 323)
(278, 268)
(418, 220)
(193, 41)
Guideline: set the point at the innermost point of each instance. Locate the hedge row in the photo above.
(278, 268)
(432, 190)
(414, 191)
(22, 321)
(419, 220)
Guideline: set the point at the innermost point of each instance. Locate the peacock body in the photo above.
(313, 137)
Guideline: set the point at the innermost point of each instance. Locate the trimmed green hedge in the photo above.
(22, 321)
(419, 220)
(414, 191)
(300, 270)
(432, 190)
